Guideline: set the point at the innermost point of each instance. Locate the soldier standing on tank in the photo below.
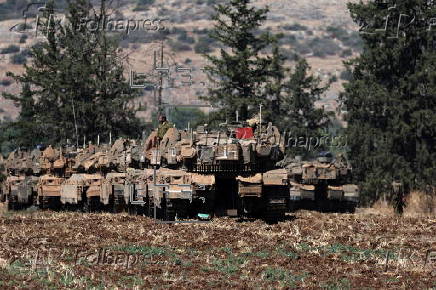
(164, 125)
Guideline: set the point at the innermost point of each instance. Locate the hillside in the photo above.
(323, 33)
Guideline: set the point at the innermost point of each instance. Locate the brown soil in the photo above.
(309, 250)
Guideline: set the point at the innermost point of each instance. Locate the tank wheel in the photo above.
(275, 198)
(35, 200)
(140, 210)
(149, 210)
(293, 205)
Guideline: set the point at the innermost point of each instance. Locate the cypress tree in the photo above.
(77, 81)
(240, 71)
(246, 76)
(298, 114)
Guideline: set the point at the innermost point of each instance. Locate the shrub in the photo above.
(203, 45)
(324, 46)
(182, 116)
(295, 27)
(302, 48)
(143, 5)
(18, 59)
(337, 32)
(288, 39)
(10, 49)
(353, 40)
(346, 52)
(333, 79)
(178, 46)
(184, 37)
(346, 75)
(5, 82)
(23, 38)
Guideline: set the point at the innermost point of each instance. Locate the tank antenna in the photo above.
(260, 117)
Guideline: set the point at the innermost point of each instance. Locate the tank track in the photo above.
(275, 205)
(48, 202)
(118, 203)
(274, 212)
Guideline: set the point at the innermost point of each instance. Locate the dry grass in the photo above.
(310, 249)
(419, 203)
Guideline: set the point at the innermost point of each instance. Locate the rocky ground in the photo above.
(308, 250)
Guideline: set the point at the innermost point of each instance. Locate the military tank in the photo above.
(231, 170)
(323, 184)
(237, 169)
(19, 187)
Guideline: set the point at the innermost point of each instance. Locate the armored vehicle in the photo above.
(84, 191)
(114, 185)
(19, 191)
(19, 187)
(322, 184)
(231, 170)
(49, 191)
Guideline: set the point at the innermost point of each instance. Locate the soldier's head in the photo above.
(162, 119)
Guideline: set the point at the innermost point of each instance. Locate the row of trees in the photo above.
(250, 72)
(75, 85)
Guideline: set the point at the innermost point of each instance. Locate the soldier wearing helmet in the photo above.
(164, 125)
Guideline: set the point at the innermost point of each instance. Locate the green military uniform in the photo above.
(163, 128)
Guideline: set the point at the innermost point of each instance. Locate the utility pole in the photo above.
(159, 93)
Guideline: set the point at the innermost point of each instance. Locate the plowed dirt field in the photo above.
(308, 250)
